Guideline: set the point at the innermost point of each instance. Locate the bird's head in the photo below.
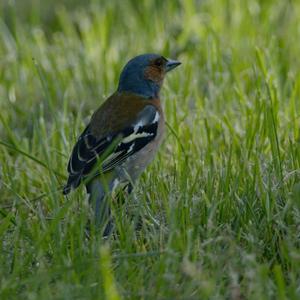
(144, 74)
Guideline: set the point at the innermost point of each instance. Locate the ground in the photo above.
(220, 205)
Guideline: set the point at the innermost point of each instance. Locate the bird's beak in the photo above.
(172, 64)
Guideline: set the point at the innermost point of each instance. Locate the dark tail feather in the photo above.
(66, 189)
(73, 183)
(99, 201)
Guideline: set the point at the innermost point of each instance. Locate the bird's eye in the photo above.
(159, 62)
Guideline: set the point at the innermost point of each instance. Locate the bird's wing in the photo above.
(112, 149)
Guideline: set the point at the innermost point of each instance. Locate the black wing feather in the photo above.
(88, 149)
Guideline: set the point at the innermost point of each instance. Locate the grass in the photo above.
(221, 201)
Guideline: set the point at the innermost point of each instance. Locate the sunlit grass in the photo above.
(220, 204)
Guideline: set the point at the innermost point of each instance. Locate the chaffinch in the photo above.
(123, 134)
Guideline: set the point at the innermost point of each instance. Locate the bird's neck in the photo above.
(147, 89)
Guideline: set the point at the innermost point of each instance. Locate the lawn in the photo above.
(220, 205)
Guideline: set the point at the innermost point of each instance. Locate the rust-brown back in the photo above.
(119, 111)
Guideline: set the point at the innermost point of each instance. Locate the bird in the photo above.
(123, 134)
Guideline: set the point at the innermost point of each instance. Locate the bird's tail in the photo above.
(99, 200)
